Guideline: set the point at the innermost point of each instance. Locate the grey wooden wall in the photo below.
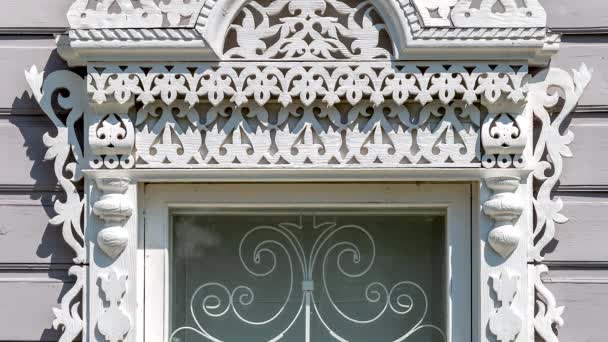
(34, 260)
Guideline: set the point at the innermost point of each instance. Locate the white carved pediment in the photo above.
(182, 30)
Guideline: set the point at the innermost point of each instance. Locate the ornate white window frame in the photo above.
(386, 91)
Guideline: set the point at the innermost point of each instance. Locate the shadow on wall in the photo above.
(43, 187)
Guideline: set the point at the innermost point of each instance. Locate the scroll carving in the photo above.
(68, 315)
(253, 136)
(435, 13)
(114, 208)
(499, 13)
(504, 208)
(306, 82)
(66, 152)
(311, 29)
(504, 135)
(549, 151)
(506, 322)
(114, 323)
(111, 141)
(547, 313)
(85, 14)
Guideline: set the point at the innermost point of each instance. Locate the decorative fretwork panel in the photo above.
(308, 30)
(307, 82)
(298, 135)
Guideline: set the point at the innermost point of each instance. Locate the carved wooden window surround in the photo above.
(297, 91)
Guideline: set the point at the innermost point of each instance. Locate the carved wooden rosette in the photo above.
(113, 208)
(504, 207)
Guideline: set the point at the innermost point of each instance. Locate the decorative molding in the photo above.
(504, 208)
(308, 82)
(435, 13)
(307, 136)
(504, 135)
(547, 313)
(312, 29)
(134, 35)
(111, 141)
(133, 13)
(113, 208)
(506, 322)
(68, 315)
(64, 148)
(114, 324)
(499, 13)
(549, 151)
(551, 147)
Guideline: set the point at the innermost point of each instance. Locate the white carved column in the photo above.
(111, 240)
(503, 269)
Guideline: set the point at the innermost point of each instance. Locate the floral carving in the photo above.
(499, 13)
(133, 13)
(435, 13)
(307, 136)
(114, 324)
(311, 29)
(549, 151)
(307, 82)
(548, 314)
(111, 141)
(552, 146)
(65, 150)
(506, 322)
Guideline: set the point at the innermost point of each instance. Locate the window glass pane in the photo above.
(348, 275)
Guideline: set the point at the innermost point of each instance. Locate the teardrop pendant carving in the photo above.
(505, 207)
(115, 208)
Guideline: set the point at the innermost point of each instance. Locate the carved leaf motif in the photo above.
(310, 31)
(65, 146)
(114, 323)
(307, 81)
(506, 322)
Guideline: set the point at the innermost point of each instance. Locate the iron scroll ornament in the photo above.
(396, 299)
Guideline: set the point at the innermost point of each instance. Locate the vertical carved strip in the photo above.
(504, 208)
(114, 323)
(114, 209)
(506, 322)
(66, 152)
(548, 314)
(68, 315)
(549, 151)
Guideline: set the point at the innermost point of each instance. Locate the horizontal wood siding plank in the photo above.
(592, 51)
(28, 16)
(24, 150)
(587, 167)
(25, 234)
(583, 15)
(584, 293)
(27, 301)
(583, 238)
(16, 56)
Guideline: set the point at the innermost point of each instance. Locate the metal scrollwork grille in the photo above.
(312, 278)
